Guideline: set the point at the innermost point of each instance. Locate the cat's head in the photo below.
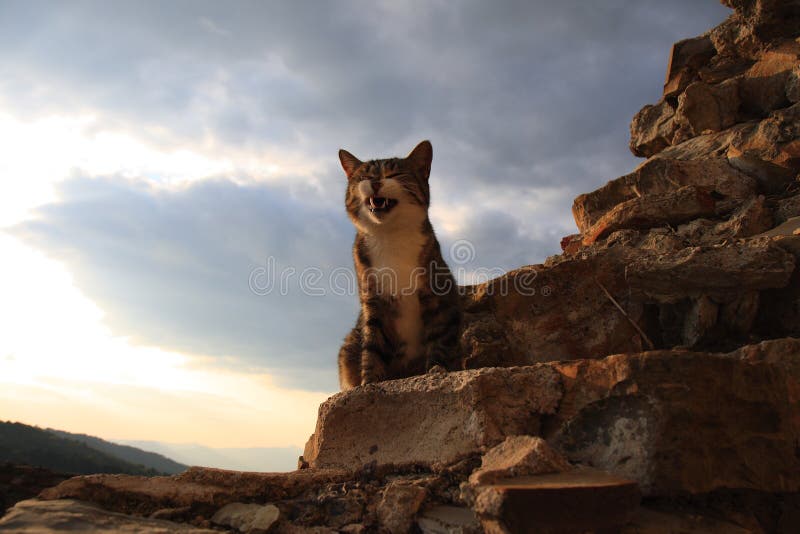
(388, 193)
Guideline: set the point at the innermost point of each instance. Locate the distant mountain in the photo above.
(30, 445)
(262, 459)
(153, 460)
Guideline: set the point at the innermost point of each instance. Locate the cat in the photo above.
(410, 319)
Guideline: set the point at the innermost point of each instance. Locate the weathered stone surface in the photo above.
(399, 506)
(775, 139)
(444, 519)
(652, 129)
(44, 517)
(460, 419)
(767, 19)
(787, 208)
(703, 108)
(767, 84)
(673, 207)
(686, 58)
(247, 518)
(649, 521)
(750, 219)
(659, 176)
(685, 422)
(553, 311)
(654, 417)
(518, 456)
(573, 501)
(772, 179)
(721, 271)
(202, 490)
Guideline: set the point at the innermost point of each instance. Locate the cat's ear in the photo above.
(420, 158)
(349, 162)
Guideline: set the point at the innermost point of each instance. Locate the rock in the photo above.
(654, 417)
(247, 518)
(775, 139)
(202, 489)
(787, 228)
(652, 129)
(767, 19)
(444, 519)
(44, 517)
(661, 417)
(574, 501)
(702, 317)
(772, 179)
(399, 506)
(290, 528)
(750, 219)
(717, 271)
(686, 58)
(649, 521)
(766, 85)
(553, 311)
(787, 208)
(518, 456)
(429, 419)
(662, 175)
(703, 108)
(353, 528)
(673, 207)
(484, 342)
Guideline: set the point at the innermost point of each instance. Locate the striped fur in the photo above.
(409, 319)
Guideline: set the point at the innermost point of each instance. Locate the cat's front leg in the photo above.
(350, 359)
(375, 345)
(442, 319)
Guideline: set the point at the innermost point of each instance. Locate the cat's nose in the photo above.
(376, 186)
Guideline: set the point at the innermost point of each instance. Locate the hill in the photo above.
(134, 455)
(24, 444)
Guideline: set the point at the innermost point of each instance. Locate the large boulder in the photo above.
(430, 419)
(674, 421)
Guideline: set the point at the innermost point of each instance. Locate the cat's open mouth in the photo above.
(380, 204)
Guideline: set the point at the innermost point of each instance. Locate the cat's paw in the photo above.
(437, 370)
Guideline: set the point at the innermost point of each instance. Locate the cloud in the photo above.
(527, 104)
(499, 86)
(172, 267)
(256, 273)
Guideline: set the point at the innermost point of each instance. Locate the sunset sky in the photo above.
(160, 161)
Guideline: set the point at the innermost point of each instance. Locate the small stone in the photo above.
(444, 519)
(574, 501)
(353, 528)
(519, 456)
(399, 506)
(247, 518)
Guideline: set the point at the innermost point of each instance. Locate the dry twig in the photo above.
(622, 311)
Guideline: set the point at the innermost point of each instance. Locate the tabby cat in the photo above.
(410, 319)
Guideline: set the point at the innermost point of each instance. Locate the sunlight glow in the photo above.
(39, 154)
(61, 366)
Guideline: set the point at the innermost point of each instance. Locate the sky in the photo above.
(174, 247)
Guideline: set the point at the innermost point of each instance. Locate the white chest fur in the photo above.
(395, 260)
